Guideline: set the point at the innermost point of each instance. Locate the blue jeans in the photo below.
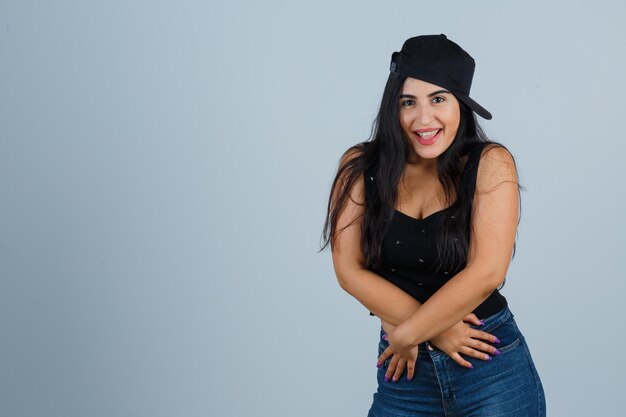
(508, 385)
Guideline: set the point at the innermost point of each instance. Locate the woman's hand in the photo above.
(397, 364)
(461, 338)
(404, 355)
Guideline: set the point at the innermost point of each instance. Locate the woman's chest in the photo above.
(411, 244)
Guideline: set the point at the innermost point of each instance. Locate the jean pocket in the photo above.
(508, 347)
(508, 334)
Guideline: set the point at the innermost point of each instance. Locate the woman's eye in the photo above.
(441, 98)
(407, 102)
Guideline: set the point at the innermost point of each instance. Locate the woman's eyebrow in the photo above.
(434, 93)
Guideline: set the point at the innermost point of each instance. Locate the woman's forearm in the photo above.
(380, 296)
(453, 301)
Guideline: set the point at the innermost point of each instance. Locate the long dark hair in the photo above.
(387, 151)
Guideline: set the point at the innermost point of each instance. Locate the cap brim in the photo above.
(480, 110)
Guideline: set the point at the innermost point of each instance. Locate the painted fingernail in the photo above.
(410, 379)
(488, 357)
(385, 336)
(496, 340)
(482, 323)
(386, 378)
(470, 366)
(394, 379)
(378, 364)
(496, 352)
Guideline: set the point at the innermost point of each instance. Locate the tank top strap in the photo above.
(470, 171)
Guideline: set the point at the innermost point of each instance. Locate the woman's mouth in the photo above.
(428, 138)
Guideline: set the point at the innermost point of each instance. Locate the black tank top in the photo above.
(409, 249)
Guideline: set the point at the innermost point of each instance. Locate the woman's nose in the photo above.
(424, 115)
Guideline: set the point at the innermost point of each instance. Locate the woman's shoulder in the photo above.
(348, 178)
(478, 149)
(496, 165)
(494, 150)
(353, 163)
(490, 151)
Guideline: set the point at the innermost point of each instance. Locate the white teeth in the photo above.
(429, 134)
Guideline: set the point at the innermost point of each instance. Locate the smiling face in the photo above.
(430, 117)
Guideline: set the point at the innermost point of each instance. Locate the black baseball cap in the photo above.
(437, 60)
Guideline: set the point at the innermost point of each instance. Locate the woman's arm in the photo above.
(380, 296)
(494, 225)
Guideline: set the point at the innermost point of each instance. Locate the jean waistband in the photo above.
(495, 320)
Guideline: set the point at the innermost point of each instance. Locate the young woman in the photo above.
(422, 221)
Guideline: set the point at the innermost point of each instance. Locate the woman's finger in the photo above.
(383, 357)
(391, 368)
(475, 353)
(399, 369)
(473, 319)
(410, 370)
(474, 340)
(479, 334)
(458, 359)
(478, 345)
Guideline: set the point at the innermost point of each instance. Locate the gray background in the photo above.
(164, 175)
